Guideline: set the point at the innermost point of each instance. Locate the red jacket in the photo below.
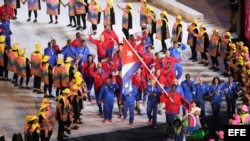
(116, 54)
(118, 80)
(101, 46)
(109, 34)
(117, 63)
(108, 66)
(161, 79)
(87, 67)
(133, 42)
(169, 75)
(99, 79)
(148, 58)
(169, 106)
(139, 81)
(6, 10)
(140, 49)
(157, 63)
(57, 49)
(171, 60)
(77, 42)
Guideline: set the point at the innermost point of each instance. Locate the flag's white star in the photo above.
(129, 53)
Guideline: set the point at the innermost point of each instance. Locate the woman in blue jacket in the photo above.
(215, 93)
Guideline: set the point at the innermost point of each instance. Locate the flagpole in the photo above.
(145, 65)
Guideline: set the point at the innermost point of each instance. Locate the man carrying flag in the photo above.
(130, 63)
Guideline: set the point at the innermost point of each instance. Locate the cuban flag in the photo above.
(130, 61)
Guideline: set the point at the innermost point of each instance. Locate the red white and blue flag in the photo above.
(130, 61)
